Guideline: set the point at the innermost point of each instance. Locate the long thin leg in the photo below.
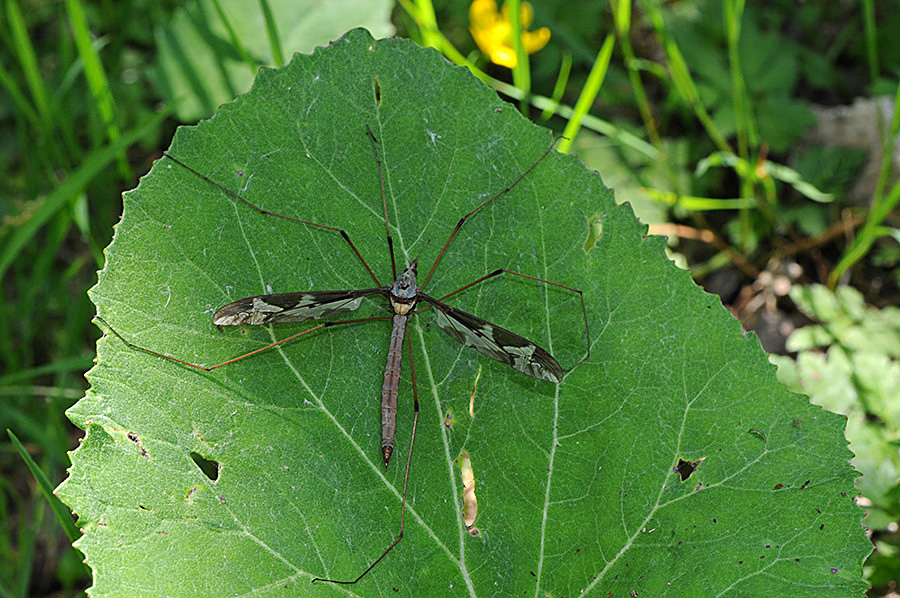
(412, 441)
(500, 271)
(231, 193)
(239, 357)
(481, 205)
(390, 239)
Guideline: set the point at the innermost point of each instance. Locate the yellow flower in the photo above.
(493, 31)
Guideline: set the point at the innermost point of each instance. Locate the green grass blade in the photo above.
(272, 32)
(45, 392)
(881, 204)
(24, 50)
(622, 19)
(96, 78)
(681, 76)
(588, 121)
(589, 92)
(565, 68)
(746, 131)
(871, 37)
(18, 96)
(423, 15)
(63, 515)
(79, 363)
(69, 189)
(235, 40)
(796, 180)
(521, 72)
(699, 204)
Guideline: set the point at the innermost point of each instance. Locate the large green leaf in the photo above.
(578, 484)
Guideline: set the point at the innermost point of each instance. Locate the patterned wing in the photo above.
(495, 342)
(291, 307)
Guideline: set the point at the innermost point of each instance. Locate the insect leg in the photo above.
(412, 441)
(231, 193)
(481, 205)
(234, 359)
(390, 240)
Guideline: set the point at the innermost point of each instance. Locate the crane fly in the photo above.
(403, 297)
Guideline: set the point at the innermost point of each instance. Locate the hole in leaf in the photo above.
(209, 468)
(595, 231)
(687, 468)
(377, 87)
(133, 437)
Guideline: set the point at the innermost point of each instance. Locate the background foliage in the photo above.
(696, 112)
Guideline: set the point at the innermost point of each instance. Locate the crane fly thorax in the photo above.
(404, 291)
